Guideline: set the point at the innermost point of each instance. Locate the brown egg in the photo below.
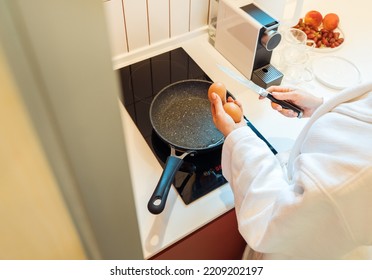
(218, 88)
(234, 111)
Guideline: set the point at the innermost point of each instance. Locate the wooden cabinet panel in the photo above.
(134, 24)
(135, 13)
(116, 28)
(179, 17)
(218, 240)
(198, 13)
(158, 20)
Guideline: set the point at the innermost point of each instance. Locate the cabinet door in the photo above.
(218, 240)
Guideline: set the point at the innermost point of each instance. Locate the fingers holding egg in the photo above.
(237, 102)
(232, 107)
(234, 111)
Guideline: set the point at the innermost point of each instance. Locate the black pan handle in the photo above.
(157, 201)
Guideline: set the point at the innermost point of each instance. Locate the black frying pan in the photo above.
(181, 116)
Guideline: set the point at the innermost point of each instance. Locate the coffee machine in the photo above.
(246, 36)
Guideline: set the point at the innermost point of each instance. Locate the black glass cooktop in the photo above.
(140, 82)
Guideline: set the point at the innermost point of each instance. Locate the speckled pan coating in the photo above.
(181, 116)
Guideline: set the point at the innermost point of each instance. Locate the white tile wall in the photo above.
(159, 28)
(116, 26)
(134, 24)
(199, 11)
(179, 16)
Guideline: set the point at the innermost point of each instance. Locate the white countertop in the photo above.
(179, 220)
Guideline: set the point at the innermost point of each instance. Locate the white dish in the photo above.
(336, 72)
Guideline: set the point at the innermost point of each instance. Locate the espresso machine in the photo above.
(246, 36)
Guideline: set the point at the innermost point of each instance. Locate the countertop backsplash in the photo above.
(134, 24)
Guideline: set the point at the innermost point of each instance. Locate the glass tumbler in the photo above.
(294, 56)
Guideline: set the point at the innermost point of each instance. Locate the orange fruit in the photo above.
(330, 21)
(313, 18)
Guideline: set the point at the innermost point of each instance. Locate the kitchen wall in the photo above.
(135, 24)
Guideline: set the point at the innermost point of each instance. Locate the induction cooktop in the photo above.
(140, 82)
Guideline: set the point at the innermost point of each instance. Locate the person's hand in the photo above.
(306, 101)
(221, 119)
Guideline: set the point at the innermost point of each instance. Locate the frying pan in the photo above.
(180, 115)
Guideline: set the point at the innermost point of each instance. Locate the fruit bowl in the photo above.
(332, 49)
(323, 31)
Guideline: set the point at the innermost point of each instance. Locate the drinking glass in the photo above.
(294, 56)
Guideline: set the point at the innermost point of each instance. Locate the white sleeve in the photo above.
(324, 210)
(274, 216)
(250, 166)
(257, 180)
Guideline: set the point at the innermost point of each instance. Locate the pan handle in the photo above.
(157, 201)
